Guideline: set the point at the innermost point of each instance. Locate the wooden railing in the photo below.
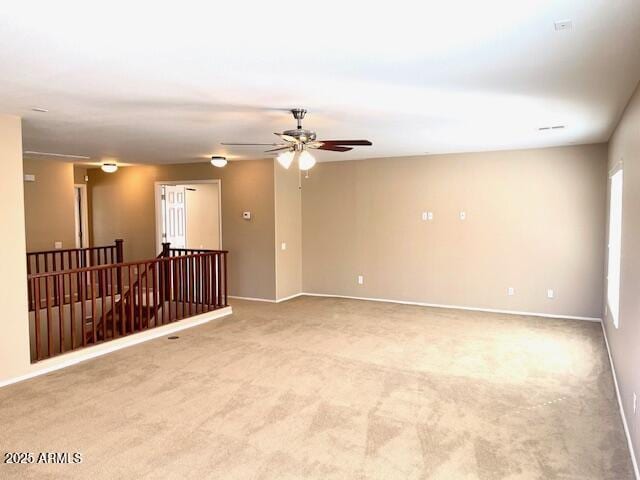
(72, 311)
(72, 259)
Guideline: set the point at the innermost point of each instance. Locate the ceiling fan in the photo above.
(296, 143)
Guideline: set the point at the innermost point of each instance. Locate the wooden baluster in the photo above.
(139, 296)
(49, 317)
(60, 281)
(72, 311)
(123, 320)
(83, 304)
(94, 318)
(189, 260)
(30, 290)
(114, 311)
(36, 314)
(130, 293)
(103, 302)
(226, 290)
(55, 280)
(156, 295)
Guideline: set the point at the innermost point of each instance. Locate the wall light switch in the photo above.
(283, 246)
(551, 293)
(360, 280)
(29, 177)
(427, 216)
(511, 291)
(246, 215)
(57, 245)
(463, 215)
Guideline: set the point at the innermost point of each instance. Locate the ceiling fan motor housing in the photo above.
(301, 134)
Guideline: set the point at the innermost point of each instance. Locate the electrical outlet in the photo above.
(360, 280)
(511, 291)
(283, 246)
(551, 293)
(57, 245)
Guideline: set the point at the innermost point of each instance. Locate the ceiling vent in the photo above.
(552, 127)
(561, 25)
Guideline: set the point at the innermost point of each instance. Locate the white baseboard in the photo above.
(290, 297)
(253, 299)
(268, 300)
(77, 356)
(622, 414)
(456, 307)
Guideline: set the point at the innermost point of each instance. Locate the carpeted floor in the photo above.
(332, 389)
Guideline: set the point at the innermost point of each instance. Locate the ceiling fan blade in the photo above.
(347, 142)
(335, 148)
(253, 144)
(278, 149)
(287, 138)
(313, 144)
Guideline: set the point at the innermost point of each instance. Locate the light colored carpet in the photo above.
(333, 389)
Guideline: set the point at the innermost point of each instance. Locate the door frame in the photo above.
(157, 187)
(84, 215)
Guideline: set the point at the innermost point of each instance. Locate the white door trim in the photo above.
(84, 215)
(158, 203)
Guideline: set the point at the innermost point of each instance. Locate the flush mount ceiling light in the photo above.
(286, 158)
(109, 167)
(218, 161)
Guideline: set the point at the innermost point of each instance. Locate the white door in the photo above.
(174, 216)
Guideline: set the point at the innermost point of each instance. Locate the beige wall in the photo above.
(48, 204)
(625, 341)
(123, 205)
(202, 219)
(14, 341)
(288, 217)
(535, 220)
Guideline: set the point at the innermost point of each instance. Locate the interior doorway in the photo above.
(189, 214)
(80, 206)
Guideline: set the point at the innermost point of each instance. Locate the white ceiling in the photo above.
(167, 82)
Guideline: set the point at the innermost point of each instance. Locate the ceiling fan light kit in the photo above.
(297, 142)
(285, 158)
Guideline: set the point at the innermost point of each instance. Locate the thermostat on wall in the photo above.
(246, 215)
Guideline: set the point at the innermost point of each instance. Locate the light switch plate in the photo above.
(463, 215)
(57, 245)
(29, 177)
(551, 293)
(283, 246)
(511, 291)
(427, 216)
(360, 280)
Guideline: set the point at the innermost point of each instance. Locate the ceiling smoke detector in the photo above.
(561, 25)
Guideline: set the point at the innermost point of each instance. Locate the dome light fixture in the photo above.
(109, 167)
(286, 158)
(218, 161)
(306, 160)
